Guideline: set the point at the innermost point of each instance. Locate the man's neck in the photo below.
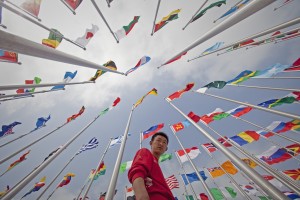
(155, 155)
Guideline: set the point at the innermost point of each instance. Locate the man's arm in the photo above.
(140, 189)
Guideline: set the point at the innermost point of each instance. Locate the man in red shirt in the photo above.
(145, 174)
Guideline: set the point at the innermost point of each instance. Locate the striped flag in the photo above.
(141, 62)
(172, 182)
(93, 143)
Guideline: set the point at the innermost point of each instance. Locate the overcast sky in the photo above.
(168, 41)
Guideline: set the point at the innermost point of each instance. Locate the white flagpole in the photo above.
(238, 16)
(260, 181)
(193, 166)
(265, 32)
(277, 112)
(158, 3)
(68, 6)
(260, 87)
(94, 174)
(195, 14)
(13, 87)
(113, 181)
(21, 45)
(36, 17)
(27, 94)
(103, 18)
(141, 139)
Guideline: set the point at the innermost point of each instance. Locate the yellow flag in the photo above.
(249, 162)
(153, 91)
(229, 168)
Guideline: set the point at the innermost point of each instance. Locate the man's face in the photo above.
(159, 145)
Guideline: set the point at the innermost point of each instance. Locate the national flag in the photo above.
(194, 117)
(88, 35)
(73, 117)
(117, 140)
(295, 66)
(223, 141)
(216, 193)
(180, 125)
(93, 143)
(164, 157)
(295, 148)
(243, 76)
(294, 94)
(172, 182)
(271, 71)
(245, 137)
(191, 177)
(67, 78)
(153, 91)
(291, 195)
(32, 6)
(239, 111)
(51, 154)
(54, 39)
(272, 180)
(210, 147)
(21, 159)
(240, 45)
(215, 172)
(274, 155)
(125, 166)
(277, 102)
(217, 114)
(234, 8)
(36, 80)
(100, 171)
(249, 162)
(249, 189)
(203, 196)
(8, 129)
(165, 20)
(228, 192)
(126, 29)
(66, 180)
(229, 167)
(141, 62)
(2, 193)
(213, 48)
(176, 58)
(193, 152)
(73, 3)
(110, 65)
(178, 94)
(41, 122)
(214, 84)
(293, 173)
(36, 187)
(203, 11)
(8, 55)
(152, 130)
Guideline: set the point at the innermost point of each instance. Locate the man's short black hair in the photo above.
(161, 134)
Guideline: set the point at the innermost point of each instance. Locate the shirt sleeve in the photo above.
(141, 165)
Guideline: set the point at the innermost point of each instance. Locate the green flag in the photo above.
(202, 12)
(216, 84)
(231, 192)
(124, 166)
(189, 197)
(287, 100)
(221, 116)
(217, 194)
(164, 157)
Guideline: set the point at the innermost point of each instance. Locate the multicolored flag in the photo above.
(271, 71)
(8, 129)
(203, 11)
(67, 78)
(32, 6)
(245, 137)
(141, 62)
(165, 20)
(194, 117)
(66, 180)
(152, 130)
(178, 94)
(54, 39)
(21, 159)
(216, 193)
(213, 48)
(249, 162)
(239, 111)
(73, 3)
(100, 171)
(215, 172)
(193, 152)
(110, 65)
(243, 76)
(93, 143)
(51, 154)
(153, 91)
(36, 187)
(164, 157)
(73, 117)
(291, 195)
(172, 182)
(191, 177)
(126, 29)
(125, 166)
(234, 8)
(36, 80)
(180, 125)
(214, 84)
(41, 122)
(210, 147)
(274, 155)
(224, 142)
(2, 193)
(8, 55)
(249, 189)
(117, 140)
(88, 35)
(176, 58)
(272, 180)
(295, 66)
(217, 114)
(277, 102)
(293, 173)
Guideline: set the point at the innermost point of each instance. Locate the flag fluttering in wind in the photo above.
(249, 162)
(2, 193)
(249, 189)
(36, 187)
(272, 180)
(217, 114)
(54, 39)
(21, 159)
(73, 117)
(178, 94)
(51, 154)
(73, 3)
(110, 65)
(277, 102)
(245, 137)
(93, 143)
(172, 182)
(152, 130)
(67, 78)
(8, 55)
(216, 193)
(293, 173)
(117, 140)
(213, 48)
(165, 20)
(180, 125)
(234, 9)
(239, 111)
(153, 91)
(36, 80)
(89, 34)
(32, 6)
(8, 129)
(243, 76)
(126, 29)
(227, 166)
(193, 152)
(203, 11)
(191, 177)
(271, 71)
(141, 62)
(295, 66)
(176, 58)
(291, 195)
(280, 127)
(100, 171)
(214, 84)
(66, 180)
(125, 166)
(41, 122)
(164, 157)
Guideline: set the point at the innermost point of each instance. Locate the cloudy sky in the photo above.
(168, 41)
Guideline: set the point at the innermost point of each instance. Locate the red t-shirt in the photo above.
(146, 165)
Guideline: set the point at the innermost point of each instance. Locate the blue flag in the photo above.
(213, 48)
(67, 78)
(193, 177)
(7, 129)
(41, 122)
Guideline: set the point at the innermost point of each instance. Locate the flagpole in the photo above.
(36, 17)
(283, 5)
(29, 145)
(101, 15)
(5, 61)
(68, 6)
(254, 106)
(286, 181)
(21, 97)
(158, 3)
(141, 139)
(265, 32)
(113, 181)
(191, 187)
(215, 184)
(21, 45)
(236, 185)
(13, 87)
(11, 193)
(94, 174)
(193, 166)
(186, 193)
(86, 182)
(259, 87)
(271, 190)
(238, 16)
(195, 14)
(28, 94)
